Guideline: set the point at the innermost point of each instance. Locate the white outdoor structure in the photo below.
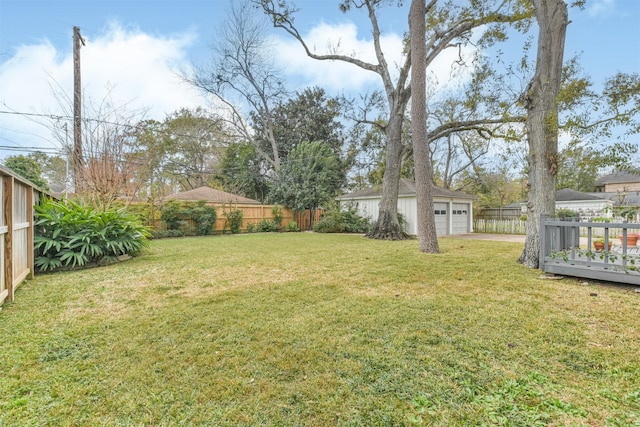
(588, 206)
(453, 209)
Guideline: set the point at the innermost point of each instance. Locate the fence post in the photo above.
(8, 237)
(543, 241)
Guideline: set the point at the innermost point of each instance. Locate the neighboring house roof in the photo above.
(569, 195)
(629, 198)
(618, 178)
(407, 188)
(210, 195)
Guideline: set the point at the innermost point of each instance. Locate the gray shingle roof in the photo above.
(407, 188)
(569, 195)
(619, 177)
(210, 195)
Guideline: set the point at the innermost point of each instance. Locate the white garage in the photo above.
(453, 210)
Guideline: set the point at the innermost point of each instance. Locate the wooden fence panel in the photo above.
(251, 214)
(16, 233)
(4, 291)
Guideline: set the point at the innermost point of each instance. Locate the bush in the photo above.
(251, 228)
(69, 234)
(335, 220)
(172, 214)
(292, 226)
(566, 213)
(161, 234)
(204, 216)
(276, 213)
(233, 219)
(267, 226)
(175, 215)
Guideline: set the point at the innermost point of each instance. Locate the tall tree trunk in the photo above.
(540, 101)
(423, 169)
(387, 226)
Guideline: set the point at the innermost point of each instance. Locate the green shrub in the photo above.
(175, 215)
(69, 234)
(172, 214)
(566, 213)
(204, 216)
(161, 234)
(267, 226)
(335, 220)
(276, 213)
(292, 226)
(251, 228)
(233, 219)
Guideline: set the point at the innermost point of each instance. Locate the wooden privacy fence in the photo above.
(16, 231)
(563, 251)
(251, 214)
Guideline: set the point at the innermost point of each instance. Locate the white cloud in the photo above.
(335, 75)
(338, 76)
(597, 8)
(138, 69)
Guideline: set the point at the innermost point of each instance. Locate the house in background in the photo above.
(211, 195)
(619, 182)
(453, 209)
(587, 205)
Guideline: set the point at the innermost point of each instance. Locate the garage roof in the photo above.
(407, 188)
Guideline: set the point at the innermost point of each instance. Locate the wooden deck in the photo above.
(563, 251)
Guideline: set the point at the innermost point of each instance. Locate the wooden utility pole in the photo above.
(77, 111)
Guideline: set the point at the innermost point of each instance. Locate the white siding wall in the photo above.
(445, 223)
(588, 209)
(408, 207)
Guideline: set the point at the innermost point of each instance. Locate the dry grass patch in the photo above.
(306, 329)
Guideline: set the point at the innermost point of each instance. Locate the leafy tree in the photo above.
(580, 166)
(310, 176)
(448, 25)
(54, 169)
(242, 172)
(492, 187)
(195, 146)
(308, 116)
(150, 156)
(27, 167)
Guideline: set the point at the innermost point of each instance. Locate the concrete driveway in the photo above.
(515, 238)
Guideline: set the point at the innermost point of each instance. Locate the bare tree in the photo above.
(244, 78)
(106, 172)
(540, 100)
(449, 26)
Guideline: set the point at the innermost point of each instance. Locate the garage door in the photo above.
(460, 218)
(440, 211)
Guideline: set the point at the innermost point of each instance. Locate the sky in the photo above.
(136, 49)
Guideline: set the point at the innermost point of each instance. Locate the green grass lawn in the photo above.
(318, 330)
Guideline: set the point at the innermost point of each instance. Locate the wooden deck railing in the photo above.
(563, 251)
